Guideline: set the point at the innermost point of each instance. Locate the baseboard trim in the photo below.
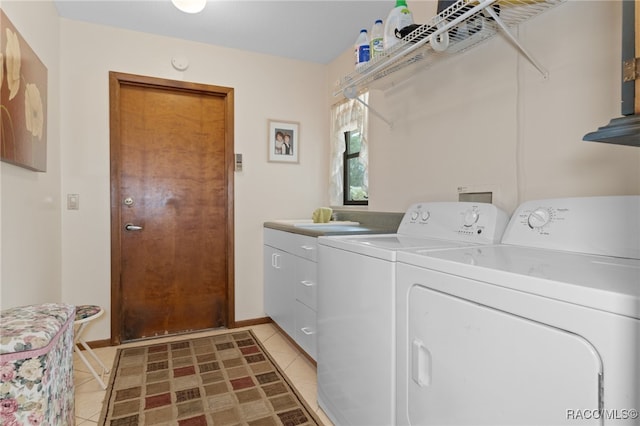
(94, 344)
(105, 343)
(250, 322)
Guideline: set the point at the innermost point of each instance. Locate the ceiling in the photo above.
(309, 30)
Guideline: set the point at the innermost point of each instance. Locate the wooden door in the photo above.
(171, 205)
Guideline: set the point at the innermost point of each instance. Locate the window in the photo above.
(355, 178)
(349, 152)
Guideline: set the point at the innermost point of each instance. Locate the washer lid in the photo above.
(606, 283)
(385, 246)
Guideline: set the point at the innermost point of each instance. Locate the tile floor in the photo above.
(301, 372)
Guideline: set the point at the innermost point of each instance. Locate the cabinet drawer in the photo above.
(307, 283)
(299, 245)
(306, 331)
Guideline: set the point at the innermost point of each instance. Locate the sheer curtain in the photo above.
(349, 115)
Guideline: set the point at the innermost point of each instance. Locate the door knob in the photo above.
(132, 227)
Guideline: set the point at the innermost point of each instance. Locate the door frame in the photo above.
(116, 80)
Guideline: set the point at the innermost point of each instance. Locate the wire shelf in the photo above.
(458, 28)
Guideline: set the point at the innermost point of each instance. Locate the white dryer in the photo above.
(356, 304)
(543, 329)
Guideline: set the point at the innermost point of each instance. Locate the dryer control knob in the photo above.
(425, 216)
(414, 215)
(471, 216)
(539, 218)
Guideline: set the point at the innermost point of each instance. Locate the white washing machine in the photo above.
(356, 304)
(543, 329)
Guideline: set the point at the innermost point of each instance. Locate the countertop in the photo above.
(369, 223)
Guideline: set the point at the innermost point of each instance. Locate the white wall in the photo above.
(488, 119)
(30, 260)
(484, 118)
(265, 87)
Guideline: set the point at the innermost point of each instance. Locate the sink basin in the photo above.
(308, 223)
(328, 224)
(334, 228)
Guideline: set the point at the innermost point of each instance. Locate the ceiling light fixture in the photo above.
(190, 6)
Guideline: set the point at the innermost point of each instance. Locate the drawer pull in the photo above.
(308, 248)
(307, 331)
(307, 283)
(275, 260)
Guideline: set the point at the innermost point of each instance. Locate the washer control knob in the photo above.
(471, 216)
(539, 218)
(425, 216)
(414, 215)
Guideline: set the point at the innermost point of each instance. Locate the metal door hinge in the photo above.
(630, 69)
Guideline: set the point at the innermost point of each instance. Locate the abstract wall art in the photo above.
(23, 101)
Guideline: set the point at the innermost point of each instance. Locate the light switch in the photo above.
(73, 201)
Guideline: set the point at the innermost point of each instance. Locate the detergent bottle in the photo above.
(399, 17)
(377, 39)
(362, 49)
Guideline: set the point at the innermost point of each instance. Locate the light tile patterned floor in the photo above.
(89, 394)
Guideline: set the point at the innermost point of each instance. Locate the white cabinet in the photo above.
(290, 285)
(278, 267)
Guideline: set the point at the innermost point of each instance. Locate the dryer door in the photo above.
(470, 364)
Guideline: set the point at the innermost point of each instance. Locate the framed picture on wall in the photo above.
(23, 101)
(283, 141)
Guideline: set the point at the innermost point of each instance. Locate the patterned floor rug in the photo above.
(227, 379)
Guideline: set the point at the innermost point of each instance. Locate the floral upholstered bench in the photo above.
(36, 365)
